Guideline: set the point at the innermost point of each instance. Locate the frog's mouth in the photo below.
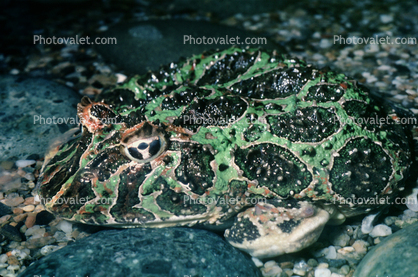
(274, 241)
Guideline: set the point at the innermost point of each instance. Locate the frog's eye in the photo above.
(144, 150)
(143, 143)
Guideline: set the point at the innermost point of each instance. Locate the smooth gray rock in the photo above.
(27, 110)
(396, 255)
(144, 46)
(174, 252)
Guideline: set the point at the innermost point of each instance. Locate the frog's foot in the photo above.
(277, 227)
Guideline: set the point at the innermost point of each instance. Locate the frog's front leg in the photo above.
(276, 227)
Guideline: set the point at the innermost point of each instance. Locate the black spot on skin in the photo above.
(243, 229)
(274, 167)
(362, 169)
(223, 167)
(311, 124)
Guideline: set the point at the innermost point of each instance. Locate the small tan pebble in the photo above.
(13, 202)
(18, 211)
(9, 253)
(39, 208)
(376, 240)
(323, 265)
(347, 249)
(20, 217)
(39, 242)
(5, 218)
(30, 221)
(75, 234)
(360, 246)
(1, 195)
(31, 185)
(14, 224)
(29, 201)
(21, 172)
(28, 208)
(91, 91)
(286, 265)
(7, 164)
(12, 260)
(62, 244)
(269, 264)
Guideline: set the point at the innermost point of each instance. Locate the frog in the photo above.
(262, 146)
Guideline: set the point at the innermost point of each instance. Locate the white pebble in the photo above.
(35, 231)
(3, 258)
(367, 223)
(332, 253)
(47, 249)
(120, 77)
(336, 275)
(272, 271)
(325, 43)
(65, 226)
(24, 163)
(322, 272)
(14, 71)
(386, 18)
(257, 262)
(380, 230)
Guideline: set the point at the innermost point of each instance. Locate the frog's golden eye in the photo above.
(143, 143)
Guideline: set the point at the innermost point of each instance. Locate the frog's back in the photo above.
(230, 124)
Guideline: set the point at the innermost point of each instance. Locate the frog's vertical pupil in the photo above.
(143, 146)
(154, 147)
(135, 153)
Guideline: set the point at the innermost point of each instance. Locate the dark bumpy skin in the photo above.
(202, 140)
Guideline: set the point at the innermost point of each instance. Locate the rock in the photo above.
(39, 242)
(4, 209)
(25, 163)
(30, 107)
(44, 218)
(11, 232)
(146, 45)
(13, 202)
(322, 272)
(360, 246)
(396, 255)
(380, 230)
(146, 252)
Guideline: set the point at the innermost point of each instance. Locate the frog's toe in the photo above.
(277, 227)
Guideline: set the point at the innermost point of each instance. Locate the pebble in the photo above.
(30, 220)
(39, 242)
(4, 209)
(386, 18)
(11, 232)
(47, 249)
(322, 272)
(360, 246)
(13, 202)
(380, 230)
(35, 232)
(25, 163)
(29, 208)
(65, 226)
